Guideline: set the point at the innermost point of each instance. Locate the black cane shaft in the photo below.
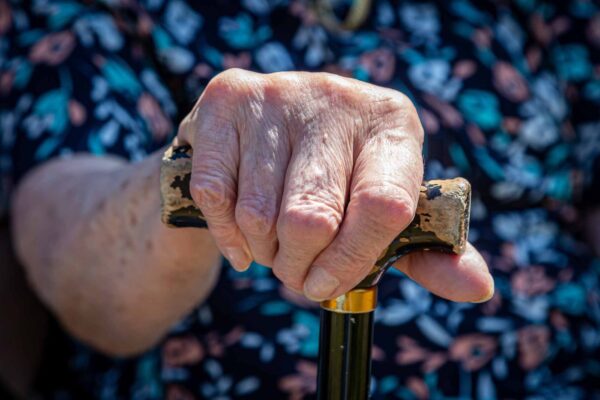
(344, 356)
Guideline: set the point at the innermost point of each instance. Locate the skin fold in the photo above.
(311, 174)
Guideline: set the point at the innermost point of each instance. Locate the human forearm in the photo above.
(88, 232)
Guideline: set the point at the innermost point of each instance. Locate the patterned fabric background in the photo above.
(509, 95)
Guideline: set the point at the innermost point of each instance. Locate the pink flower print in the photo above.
(477, 137)
(301, 10)
(492, 306)
(511, 125)
(431, 124)
(178, 392)
(418, 387)
(180, 351)
(155, 118)
(593, 30)
(242, 60)
(566, 275)
(509, 82)
(53, 49)
(560, 25)
(503, 264)
(144, 25)
(411, 353)
(203, 70)
(534, 57)
(233, 336)
(558, 320)
(541, 31)
(6, 81)
(77, 113)
(98, 60)
(506, 261)
(533, 346)
(377, 353)
(473, 350)
(380, 64)
(5, 17)
(464, 69)
(301, 384)
(531, 281)
(433, 362)
(393, 35)
(449, 116)
(482, 37)
(216, 344)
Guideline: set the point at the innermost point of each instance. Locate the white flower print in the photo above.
(422, 20)
(260, 7)
(273, 57)
(182, 21)
(100, 26)
(314, 39)
(432, 76)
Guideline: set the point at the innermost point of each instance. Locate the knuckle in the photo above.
(218, 87)
(336, 89)
(301, 223)
(225, 79)
(330, 80)
(396, 103)
(388, 209)
(212, 195)
(394, 109)
(227, 83)
(256, 215)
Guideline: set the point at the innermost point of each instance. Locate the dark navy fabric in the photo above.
(509, 95)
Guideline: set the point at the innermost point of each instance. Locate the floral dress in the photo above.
(509, 96)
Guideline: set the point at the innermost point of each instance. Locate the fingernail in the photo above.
(320, 284)
(238, 258)
(487, 297)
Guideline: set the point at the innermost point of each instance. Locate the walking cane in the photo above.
(440, 224)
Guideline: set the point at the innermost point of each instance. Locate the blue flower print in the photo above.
(181, 21)
(239, 32)
(480, 107)
(571, 298)
(572, 62)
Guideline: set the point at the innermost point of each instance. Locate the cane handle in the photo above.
(441, 221)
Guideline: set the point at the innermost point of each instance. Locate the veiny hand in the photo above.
(313, 175)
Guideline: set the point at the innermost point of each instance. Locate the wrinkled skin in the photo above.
(310, 174)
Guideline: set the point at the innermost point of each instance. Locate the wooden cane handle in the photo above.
(441, 222)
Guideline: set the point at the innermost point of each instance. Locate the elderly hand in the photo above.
(313, 175)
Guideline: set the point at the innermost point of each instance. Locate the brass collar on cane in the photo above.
(356, 301)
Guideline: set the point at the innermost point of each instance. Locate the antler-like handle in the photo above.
(441, 222)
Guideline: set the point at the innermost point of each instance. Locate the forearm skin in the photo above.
(88, 231)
